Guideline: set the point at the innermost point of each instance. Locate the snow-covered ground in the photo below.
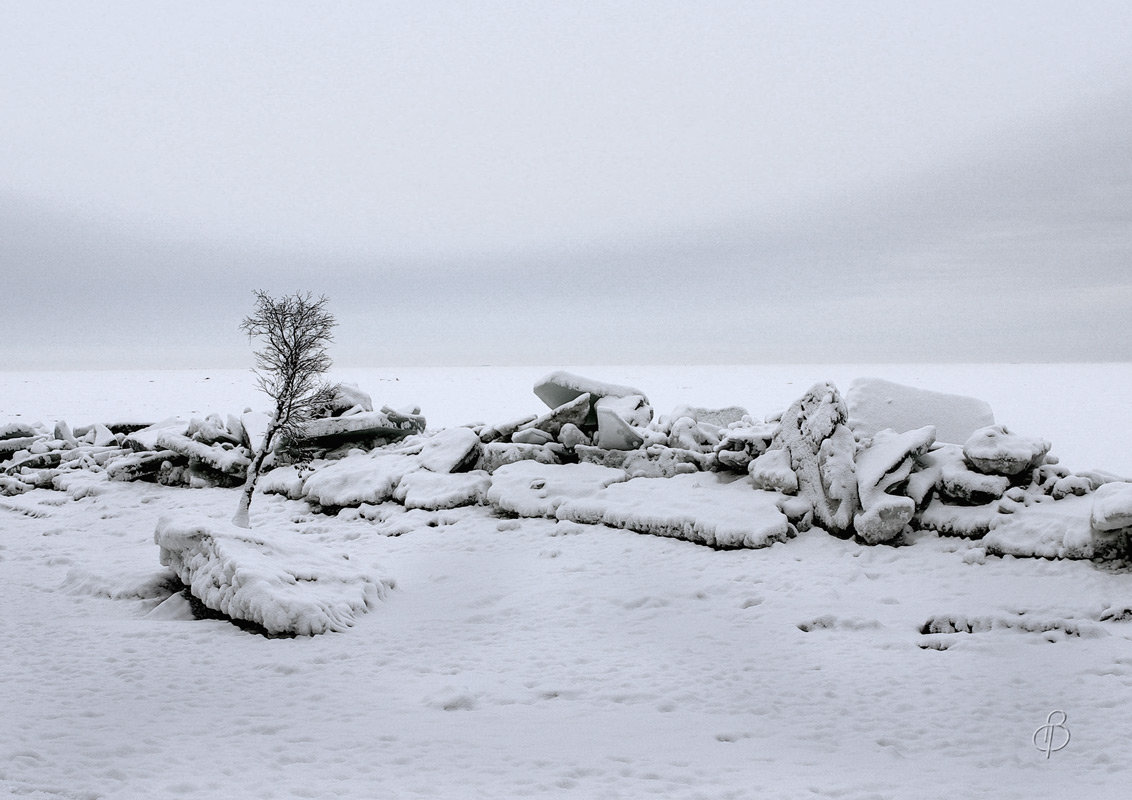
(532, 657)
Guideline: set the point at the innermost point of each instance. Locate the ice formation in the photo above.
(876, 404)
(883, 469)
(821, 449)
(855, 468)
(530, 489)
(705, 507)
(278, 581)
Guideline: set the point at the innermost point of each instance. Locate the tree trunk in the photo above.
(241, 519)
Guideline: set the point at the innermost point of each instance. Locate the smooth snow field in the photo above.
(541, 658)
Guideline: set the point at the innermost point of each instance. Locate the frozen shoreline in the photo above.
(1081, 408)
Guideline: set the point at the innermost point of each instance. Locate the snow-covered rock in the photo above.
(994, 450)
(384, 424)
(1111, 520)
(496, 454)
(772, 472)
(11, 486)
(882, 470)
(1112, 507)
(718, 417)
(875, 404)
(822, 448)
(450, 450)
(571, 436)
(212, 430)
(253, 426)
(741, 444)
(653, 461)
(504, 431)
(613, 431)
(287, 481)
(969, 522)
(359, 478)
(705, 507)
(16, 444)
(688, 434)
(530, 489)
(146, 438)
(435, 491)
(232, 462)
(17, 430)
(274, 579)
(139, 465)
(1051, 529)
(531, 436)
(573, 412)
(346, 397)
(560, 387)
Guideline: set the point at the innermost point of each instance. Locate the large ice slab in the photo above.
(704, 507)
(358, 478)
(875, 404)
(531, 489)
(559, 388)
(275, 579)
(1051, 529)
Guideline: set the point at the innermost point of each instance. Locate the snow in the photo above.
(550, 657)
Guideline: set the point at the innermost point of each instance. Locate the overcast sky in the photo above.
(509, 183)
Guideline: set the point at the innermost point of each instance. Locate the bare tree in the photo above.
(293, 331)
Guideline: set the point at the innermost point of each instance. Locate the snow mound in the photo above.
(358, 478)
(882, 470)
(1112, 507)
(1050, 529)
(994, 450)
(706, 508)
(876, 404)
(1111, 520)
(969, 522)
(434, 491)
(277, 580)
(530, 489)
(450, 450)
(822, 450)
